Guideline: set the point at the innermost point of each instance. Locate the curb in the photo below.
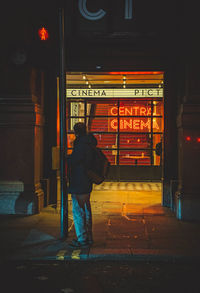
(85, 255)
(113, 257)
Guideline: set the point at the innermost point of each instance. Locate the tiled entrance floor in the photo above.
(126, 198)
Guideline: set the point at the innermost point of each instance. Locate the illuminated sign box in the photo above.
(115, 93)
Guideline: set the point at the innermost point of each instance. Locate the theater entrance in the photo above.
(125, 112)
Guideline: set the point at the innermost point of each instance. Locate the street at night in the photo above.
(142, 250)
(100, 147)
(100, 277)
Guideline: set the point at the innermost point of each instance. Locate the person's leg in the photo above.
(88, 214)
(78, 209)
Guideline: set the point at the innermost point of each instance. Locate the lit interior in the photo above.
(116, 79)
(128, 129)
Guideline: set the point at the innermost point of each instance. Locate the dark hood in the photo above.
(86, 139)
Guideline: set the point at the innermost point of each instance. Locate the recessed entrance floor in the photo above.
(126, 198)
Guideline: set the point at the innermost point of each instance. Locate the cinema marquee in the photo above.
(116, 93)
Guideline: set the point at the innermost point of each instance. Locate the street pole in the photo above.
(63, 139)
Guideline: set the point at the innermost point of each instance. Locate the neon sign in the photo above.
(133, 123)
(128, 111)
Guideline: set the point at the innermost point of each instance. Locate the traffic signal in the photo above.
(43, 44)
(43, 33)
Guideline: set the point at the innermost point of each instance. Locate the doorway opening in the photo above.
(125, 112)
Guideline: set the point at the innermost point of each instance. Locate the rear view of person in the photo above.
(80, 185)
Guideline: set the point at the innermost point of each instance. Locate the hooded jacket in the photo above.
(78, 163)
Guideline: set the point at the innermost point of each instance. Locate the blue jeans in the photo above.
(82, 216)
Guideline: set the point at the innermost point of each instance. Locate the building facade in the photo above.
(131, 76)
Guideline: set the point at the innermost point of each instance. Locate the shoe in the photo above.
(79, 244)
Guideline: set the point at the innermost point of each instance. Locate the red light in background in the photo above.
(138, 140)
(188, 138)
(198, 139)
(43, 34)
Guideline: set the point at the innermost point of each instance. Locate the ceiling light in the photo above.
(84, 77)
(136, 72)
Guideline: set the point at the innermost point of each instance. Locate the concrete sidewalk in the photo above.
(123, 229)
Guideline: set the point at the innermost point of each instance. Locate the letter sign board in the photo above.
(90, 15)
(115, 93)
(123, 15)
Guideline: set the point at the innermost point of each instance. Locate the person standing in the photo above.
(80, 185)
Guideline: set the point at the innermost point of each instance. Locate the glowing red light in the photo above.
(43, 34)
(188, 138)
(198, 139)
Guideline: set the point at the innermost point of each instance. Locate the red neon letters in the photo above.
(133, 123)
(131, 111)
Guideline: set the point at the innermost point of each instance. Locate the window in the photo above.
(126, 130)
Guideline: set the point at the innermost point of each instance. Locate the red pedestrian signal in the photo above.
(43, 34)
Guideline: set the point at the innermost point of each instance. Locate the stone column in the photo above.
(21, 136)
(188, 123)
